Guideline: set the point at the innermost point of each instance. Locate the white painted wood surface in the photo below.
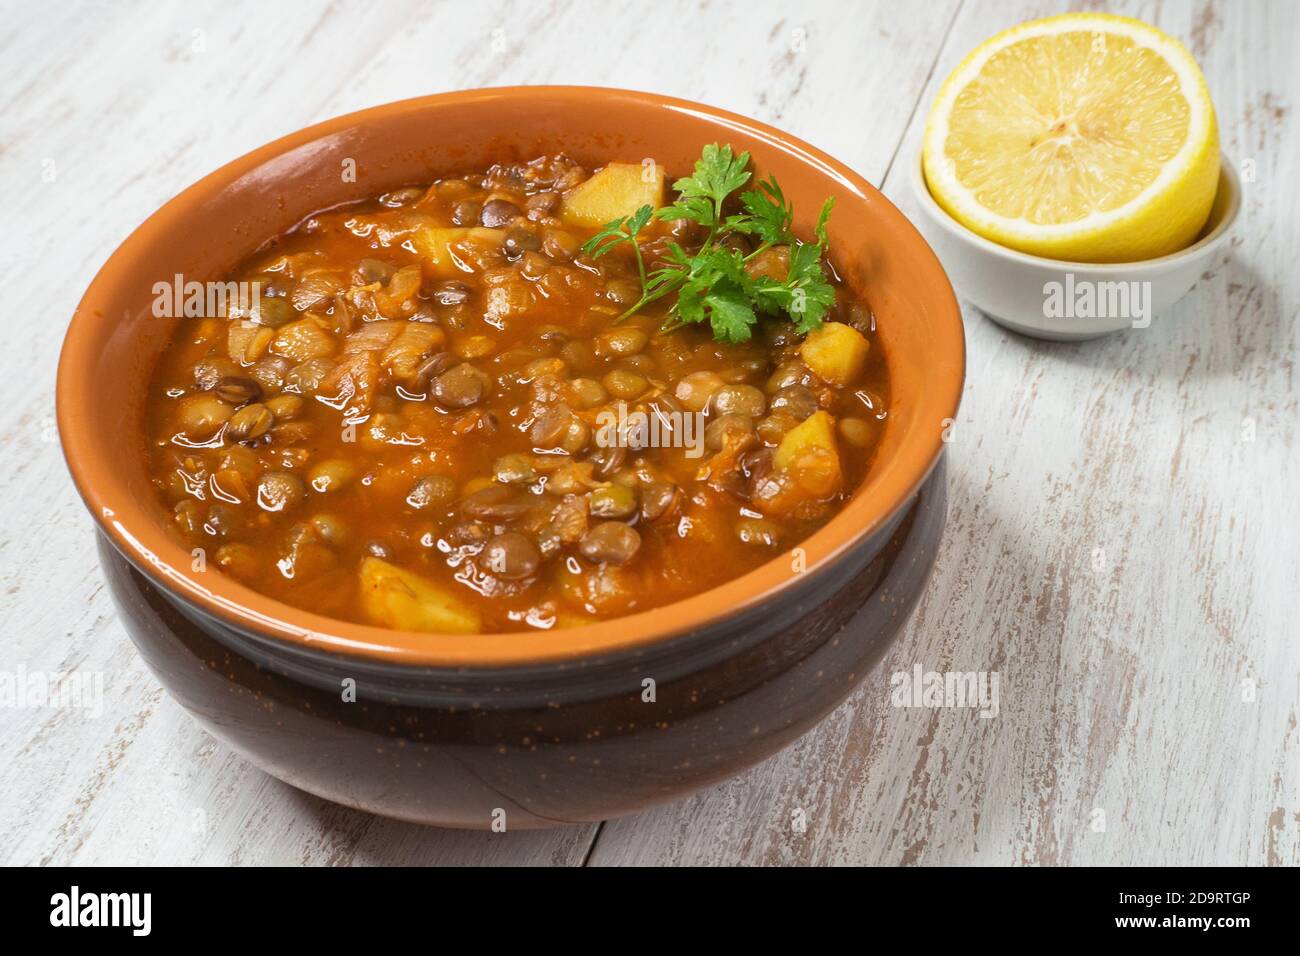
(1124, 541)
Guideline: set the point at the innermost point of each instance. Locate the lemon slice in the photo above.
(1086, 137)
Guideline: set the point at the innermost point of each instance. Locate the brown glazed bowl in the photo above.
(522, 729)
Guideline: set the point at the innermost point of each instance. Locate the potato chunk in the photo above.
(436, 244)
(619, 189)
(808, 453)
(835, 352)
(401, 599)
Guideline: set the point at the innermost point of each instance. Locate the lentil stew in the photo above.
(444, 411)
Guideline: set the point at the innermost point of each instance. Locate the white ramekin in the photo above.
(1054, 299)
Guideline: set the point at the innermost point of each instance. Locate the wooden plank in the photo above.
(1117, 551)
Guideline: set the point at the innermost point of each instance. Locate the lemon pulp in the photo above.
(1085, 137)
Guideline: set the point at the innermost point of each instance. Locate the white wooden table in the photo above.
(1124, 541)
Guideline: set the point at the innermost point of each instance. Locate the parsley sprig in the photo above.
(713, 284)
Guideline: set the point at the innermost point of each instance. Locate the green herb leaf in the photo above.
(695, 208)
(806, 295)
(640, 218)
(820, 229)
(712, 285)
(616, 232)
(767, 215)
(717, 289)
(717, 174)
(730, 313)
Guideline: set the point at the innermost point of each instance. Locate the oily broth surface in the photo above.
(520, 311)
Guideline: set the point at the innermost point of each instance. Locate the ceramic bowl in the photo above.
(1053, 299)
(515, 729)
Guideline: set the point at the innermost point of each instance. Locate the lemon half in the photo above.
(1086, 137)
